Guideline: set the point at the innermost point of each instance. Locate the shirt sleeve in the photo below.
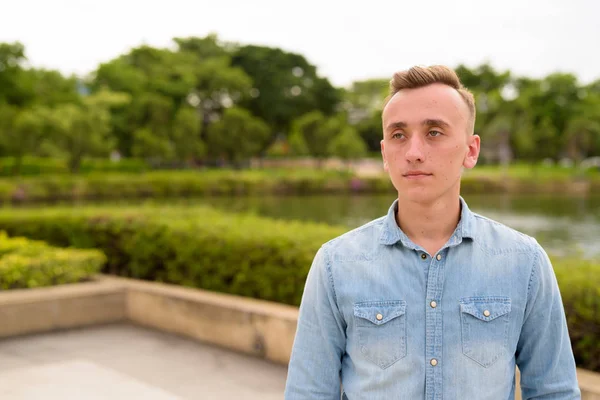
(320, 341)
(544, 355)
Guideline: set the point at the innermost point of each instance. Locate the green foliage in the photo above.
(28, 263)
(348, 144)
(15, 86)
(287, 86)
(116, 186)
(200, 247)
(158, 104)
(363, 102)
(82, 131)
(35, 166)
(98, 182)
(159, 124)
(579, 282)
(312, 127)
(186, 135)
(298, 146)
(370, 130)
(237, 136)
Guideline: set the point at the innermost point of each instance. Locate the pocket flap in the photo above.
(380, 312)
(485, 308)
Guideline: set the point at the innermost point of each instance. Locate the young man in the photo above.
(431, 301)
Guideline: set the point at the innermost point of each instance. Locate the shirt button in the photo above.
(379, 317)
(433, 362)
(486, 313)
(439, 257)
(424, 256)
(433, 304)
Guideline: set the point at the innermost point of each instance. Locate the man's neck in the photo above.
(429, 225)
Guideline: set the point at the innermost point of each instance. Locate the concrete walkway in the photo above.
(123, 361)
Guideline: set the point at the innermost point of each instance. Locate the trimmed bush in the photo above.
(190, 183)
(200, 247)
(161, 184)
(28, 263)
(36, 166)
(579, 282)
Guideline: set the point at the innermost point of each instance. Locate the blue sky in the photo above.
(347, 40)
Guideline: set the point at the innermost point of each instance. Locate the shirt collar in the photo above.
(392, 234)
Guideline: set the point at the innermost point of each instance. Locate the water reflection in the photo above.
(562, 224)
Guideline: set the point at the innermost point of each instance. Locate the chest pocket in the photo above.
(484, 324)
(381, 330)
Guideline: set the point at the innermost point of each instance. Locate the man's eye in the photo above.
(435, 133)
(397, 135)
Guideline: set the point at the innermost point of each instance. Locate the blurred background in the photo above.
(216, 145)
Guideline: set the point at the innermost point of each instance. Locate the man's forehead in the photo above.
(441, 99)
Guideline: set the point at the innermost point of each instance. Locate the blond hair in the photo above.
(417, 77)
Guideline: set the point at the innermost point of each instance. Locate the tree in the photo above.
(22, 132)
(186, 135)
(365, 99)
(371, 131)
(152, 146)
(51, 88)
(15, 87)
(297, 143)
(237, 136)
(82, 131)
(348, 145)
(580, 136)
(549, 104)
(161, 82)
(285, 86)
(218, 86)
(310, 128)
(204, 48)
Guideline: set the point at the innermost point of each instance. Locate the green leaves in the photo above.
(201, 247)
(348, 144)
(237, 135)
(288, 86)
(28, 263)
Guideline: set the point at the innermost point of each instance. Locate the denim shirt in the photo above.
(381, 318)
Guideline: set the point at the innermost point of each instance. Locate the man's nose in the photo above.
(415, 152)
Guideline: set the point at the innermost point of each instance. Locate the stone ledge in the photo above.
(67, 306)
(252, 326)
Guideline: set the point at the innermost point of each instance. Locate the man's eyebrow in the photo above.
(436, 122)
(398, 124)
(427, 122)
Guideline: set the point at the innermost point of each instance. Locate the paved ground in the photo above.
(123, 361)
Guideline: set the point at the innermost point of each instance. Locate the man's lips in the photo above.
(416, 175)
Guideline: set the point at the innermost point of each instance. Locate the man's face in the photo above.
(426, 142)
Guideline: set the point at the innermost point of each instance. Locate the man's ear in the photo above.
(473, 152)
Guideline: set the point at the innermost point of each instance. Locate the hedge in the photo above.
(200, 247)
(248, 255)
(28, 263)
(161, 184)
(579, 282)
(168, 184)
(36, 166)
